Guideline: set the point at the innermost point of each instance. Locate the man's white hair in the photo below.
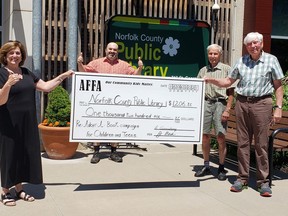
(253, 36)
(216, 46)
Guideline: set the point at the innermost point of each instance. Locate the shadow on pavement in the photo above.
(138, 185)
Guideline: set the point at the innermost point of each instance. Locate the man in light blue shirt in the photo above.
(259, 75)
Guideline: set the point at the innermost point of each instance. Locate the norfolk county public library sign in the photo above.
(168, 48)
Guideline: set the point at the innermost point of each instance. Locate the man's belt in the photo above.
(252, 98)
(215, 99)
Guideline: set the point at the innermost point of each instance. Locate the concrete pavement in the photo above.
(156, 182)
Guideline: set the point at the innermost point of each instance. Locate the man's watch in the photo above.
(277, 106)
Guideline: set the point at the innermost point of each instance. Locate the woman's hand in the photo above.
(67, 74)
(13, 78)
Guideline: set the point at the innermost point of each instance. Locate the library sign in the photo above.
(172, 48)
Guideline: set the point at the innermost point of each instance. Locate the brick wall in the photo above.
(258, 17)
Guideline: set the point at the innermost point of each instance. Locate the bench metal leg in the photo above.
(270, 158)
(194, 149)
(270, 152)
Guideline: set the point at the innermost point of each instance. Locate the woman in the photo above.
(20, 159)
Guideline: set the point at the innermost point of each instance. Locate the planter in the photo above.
(56, 142)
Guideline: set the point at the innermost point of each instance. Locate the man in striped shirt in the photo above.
(218, 102)
(110, 64)
(259, 75)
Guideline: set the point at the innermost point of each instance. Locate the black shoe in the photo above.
(96, 158)
(222, 175)
(204, 171)
(115, 157)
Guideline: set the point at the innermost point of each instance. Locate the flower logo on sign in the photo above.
(170, 47)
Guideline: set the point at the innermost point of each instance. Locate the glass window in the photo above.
(280, 19)
(279, 42)
(279, 48)
(1, 8)
(1, 13)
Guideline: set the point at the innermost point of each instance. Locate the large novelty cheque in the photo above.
(121, 108)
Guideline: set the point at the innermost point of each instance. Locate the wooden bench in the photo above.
(278, 140)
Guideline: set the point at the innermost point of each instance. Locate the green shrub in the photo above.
(285, 100)
(58, 110)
